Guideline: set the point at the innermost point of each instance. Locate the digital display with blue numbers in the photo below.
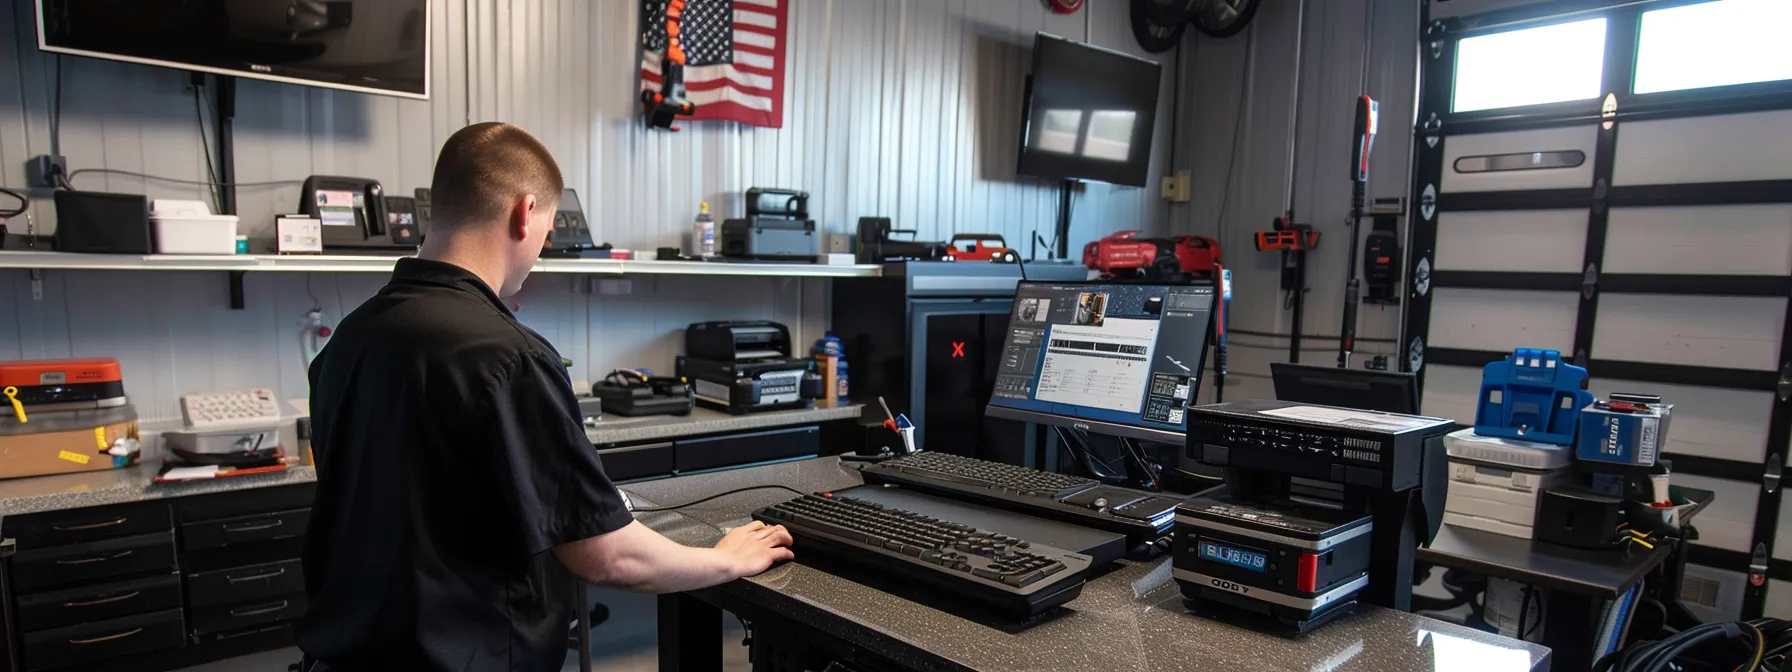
(1233, 556)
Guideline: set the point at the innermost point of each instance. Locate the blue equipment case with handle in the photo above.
(1532, 395)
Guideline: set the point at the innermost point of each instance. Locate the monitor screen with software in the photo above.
(1362, 389)
(1117, 359)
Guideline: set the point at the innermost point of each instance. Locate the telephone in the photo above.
(352, 213)
(571, 234)
(401, 220)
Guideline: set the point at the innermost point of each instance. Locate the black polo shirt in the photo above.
(451, 459)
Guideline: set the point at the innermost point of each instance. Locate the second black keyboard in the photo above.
(1142, 516)
(1001, 573)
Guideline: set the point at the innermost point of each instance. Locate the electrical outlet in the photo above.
(1175, 188)
(41, 170)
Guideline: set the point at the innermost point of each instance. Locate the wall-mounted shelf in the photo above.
(370, 264)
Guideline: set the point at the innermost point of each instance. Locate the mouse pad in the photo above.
(1101, 547)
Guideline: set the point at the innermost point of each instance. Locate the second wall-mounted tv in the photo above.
(372, 46)
(1090, 113)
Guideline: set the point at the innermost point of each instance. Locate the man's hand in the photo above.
(755, 546)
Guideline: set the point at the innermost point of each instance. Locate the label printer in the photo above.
(746, 367)
(1322, 507)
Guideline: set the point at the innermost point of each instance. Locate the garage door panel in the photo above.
(1711, 240)
(1782, 538)
(1732, 332)
(1534, 241)
(1501, 320)
(1466, 155)
(1723, 148)
(1708, 421)
(1450, 392)
(1779, 600)
(1729, 522)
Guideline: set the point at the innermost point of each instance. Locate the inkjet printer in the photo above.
(1293, 554)
(744, 367)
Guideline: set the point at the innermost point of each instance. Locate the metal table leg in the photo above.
(690, 632)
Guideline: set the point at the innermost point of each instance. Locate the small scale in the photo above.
(1292, 567)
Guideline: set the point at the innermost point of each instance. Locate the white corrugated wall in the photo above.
(900, 108)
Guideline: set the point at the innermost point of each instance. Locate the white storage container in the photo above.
(189, 227)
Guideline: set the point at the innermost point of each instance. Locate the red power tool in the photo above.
(1125, 255)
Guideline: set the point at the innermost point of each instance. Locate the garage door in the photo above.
(1616, 184)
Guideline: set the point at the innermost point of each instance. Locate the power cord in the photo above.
(1737, 646)
(720, 495)
(24, 204)
(202, 183)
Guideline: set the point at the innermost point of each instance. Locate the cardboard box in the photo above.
(62, 450)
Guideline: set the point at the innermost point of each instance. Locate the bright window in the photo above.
(1714, 44)
(1529, 67)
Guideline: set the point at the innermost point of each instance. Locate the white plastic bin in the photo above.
(189, 227)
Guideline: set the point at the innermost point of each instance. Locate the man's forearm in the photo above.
(637, 559)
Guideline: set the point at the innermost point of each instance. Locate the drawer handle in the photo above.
(107, 638)
(246, 633)
(253, 577)
(89, 526)
(99, 558)
(252, 611)
(104, 600)
(251, 527)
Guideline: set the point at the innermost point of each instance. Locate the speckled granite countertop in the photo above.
(37, 494)
(620, 429)
(1131, 618)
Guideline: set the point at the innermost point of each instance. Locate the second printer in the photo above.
(746, 367)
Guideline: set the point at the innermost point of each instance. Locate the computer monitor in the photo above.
(1385, 391)
(1111, 358)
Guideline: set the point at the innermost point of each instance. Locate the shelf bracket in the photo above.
(37, 284)
(236, 289)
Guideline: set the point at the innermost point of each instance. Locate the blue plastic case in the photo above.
(1532, 395)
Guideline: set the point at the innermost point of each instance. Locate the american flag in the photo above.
(734, 57)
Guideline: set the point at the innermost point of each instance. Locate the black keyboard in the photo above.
(1142, 516)
(998, 572)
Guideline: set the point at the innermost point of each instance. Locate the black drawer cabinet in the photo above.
(104, 640)
(244, 584)
(156, 585)
(210, 620)
(79, 526)
(86, 604)
(82, 563)
(243, 529)
(628, 463)
(740, 449)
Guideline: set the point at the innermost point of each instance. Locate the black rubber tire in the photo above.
(1247, 9)
(1168, 12)
(1154, 38)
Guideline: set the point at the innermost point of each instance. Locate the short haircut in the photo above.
(484, 168)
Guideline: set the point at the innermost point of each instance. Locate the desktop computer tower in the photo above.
(926, 337)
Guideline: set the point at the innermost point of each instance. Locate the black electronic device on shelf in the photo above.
(1362, 389)
(878, 244)
(1143, 517)
(631, 393)
(1014, 577)
(744, 367)
(777, 228)
(401, 220)
(422, 197)
(571, 235)
(351, 212)
(1260, 551)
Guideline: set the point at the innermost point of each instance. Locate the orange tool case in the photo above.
(64, 383)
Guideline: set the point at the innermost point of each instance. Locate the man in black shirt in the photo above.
(456, 487)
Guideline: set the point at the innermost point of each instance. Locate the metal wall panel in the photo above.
(904, 109)
(1450, 392)
(1724, 148)
(1712, 240)
(1500, 320)
(1733, 332)
(1544, 241)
